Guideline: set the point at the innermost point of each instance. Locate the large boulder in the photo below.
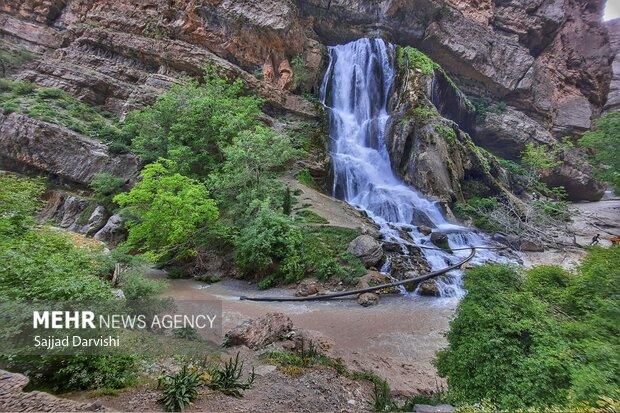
(113, 232)
(368, 299)
(367, 249)
(259, 332)
(29, 142)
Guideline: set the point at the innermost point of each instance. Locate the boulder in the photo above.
(259, 332)
(428, 287)
(367, 249)
(368, 299)
(33, 143)
(576, 176)
(424, 230)
(309, 286)
(440, 239)
(96, 221)
(113, 232)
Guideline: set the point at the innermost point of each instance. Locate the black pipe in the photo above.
(377, 287)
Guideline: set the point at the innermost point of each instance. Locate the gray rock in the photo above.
(113, 232)
(97, 220)
(531, 246)
(428, 287)
(367, 249)
(259, 332)
(30, 142)
(368, 299)
(425, 230)
(309, 286)
(576, 176)
(440, 239)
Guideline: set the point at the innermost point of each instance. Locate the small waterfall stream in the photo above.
(355, 92)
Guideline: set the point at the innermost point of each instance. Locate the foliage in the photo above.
(91, 372)
(270, 240)
(301, 73)
(19, 200)
(165, 211)
(446, 132)
(179, 390)
(307, 179)
(310, 217)
(227, 378)
(58, 107)
(604, 142)
(539, 157)
(482, 107)
(478, 209)
(543, 338)
(12, 58)
(192, 123)
(412, 57)
(138, 287)
(247, 177)
(423, 113)
(105, 186)
(381, 397)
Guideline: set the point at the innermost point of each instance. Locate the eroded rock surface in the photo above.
(259, 332)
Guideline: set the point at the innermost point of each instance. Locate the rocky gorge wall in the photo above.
(547, 61)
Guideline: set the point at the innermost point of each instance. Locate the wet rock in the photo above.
(440, 239)
(367, 249)
(531, 246)
(372, 278)
(368, 299)
(113, 232)
(259, 332)
(428, 287)
(424, 230)
(309, 286)
(312, 339)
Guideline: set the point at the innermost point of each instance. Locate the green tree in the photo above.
(165, 212)
(604, 141)
(105, 186)
(192, 122)
(247, 178)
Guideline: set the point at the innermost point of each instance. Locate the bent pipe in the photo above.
(376, 287)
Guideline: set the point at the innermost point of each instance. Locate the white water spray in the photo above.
(355, 91)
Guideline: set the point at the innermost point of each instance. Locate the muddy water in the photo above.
(396, 339)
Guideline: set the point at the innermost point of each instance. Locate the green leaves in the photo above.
(604, 141)
(165, 211)
(546, 337)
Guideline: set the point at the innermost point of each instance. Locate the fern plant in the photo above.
(179, 390)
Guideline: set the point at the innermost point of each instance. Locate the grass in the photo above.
(306, 178)
(310, 217)
(12, 58)
(58, 107)
(415, 59)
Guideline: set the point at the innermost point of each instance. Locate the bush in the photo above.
(543, 338)
(227, 378)
(105, 186)
(179, 390)
(538, 157)
(412, 57)
(604, 142)
(165, 211)
(136, 286)
(19, 200)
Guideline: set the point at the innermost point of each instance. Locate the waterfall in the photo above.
(355, 91)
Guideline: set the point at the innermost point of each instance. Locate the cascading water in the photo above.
(355, 91)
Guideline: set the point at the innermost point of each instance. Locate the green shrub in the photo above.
(166, 210)
(19, 200)
(543, 338)
(415, 59)
(478, 209)
(179, 390)
(604, 142)
(539, 157)
(301, 74)
(227, 378)
(137, 286)
(305, 178)
(105, 186)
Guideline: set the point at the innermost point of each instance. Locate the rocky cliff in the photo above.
(547, 62)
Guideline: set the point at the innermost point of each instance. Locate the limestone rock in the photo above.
(428, 287)
(96, 221)
(576, 176)
(259, 332)
(113, 232)
(30, 142)
(367, 249)
(368, 299)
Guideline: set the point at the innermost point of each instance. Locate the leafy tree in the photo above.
(192, 122)
(546, 337)
(165, 212)
(247, 177)
(604, 141)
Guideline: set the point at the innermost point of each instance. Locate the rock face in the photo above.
(73, 212)
(113, 232)
(58, 150)
(259, 332)
(367, 249)
(613, 98)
